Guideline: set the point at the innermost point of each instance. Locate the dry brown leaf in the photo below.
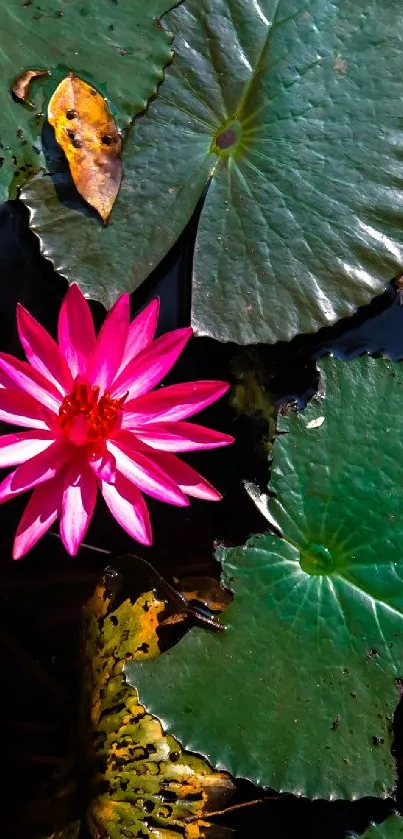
(86, 132)
(20, 86)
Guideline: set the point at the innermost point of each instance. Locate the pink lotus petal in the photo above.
(104, 467)
(141, 332)
(190, 482)
(151, 365)
(76, 333)
(38, 469)
(41, 511)
(107, 356)
(29, 381)
(19, 447)
(181, 437)
(138, 468)
(42, 351)
(128, 507)
(18, 408)
(80, 438)
(175, 402)
(78, 503)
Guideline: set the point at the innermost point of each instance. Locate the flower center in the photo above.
(85, 417)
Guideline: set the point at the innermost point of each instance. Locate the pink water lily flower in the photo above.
(96, 424)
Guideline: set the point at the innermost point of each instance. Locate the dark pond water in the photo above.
(42, 595)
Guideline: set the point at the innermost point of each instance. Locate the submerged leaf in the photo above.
(146, 784)
(299, 692)
(205, 590)
(86, 132)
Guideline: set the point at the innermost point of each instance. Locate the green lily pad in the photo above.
(392, 828)
(119, 47)
(294, 111)
(299, 692)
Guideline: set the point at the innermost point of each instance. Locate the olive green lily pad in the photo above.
(392, 828)
(299, 692)
(293, 110)
(121, 48)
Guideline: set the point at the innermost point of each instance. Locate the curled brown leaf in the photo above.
(21, 85)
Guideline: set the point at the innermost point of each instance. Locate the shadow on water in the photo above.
(42, 595)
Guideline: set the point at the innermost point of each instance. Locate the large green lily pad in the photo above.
(299, 692)
(392, 828)
(119, 47)
(294, 111)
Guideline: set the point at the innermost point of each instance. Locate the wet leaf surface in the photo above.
(86, 132)
(118, 47)
(282, 108)
(392, 828)
(146, 785)
(298, 693)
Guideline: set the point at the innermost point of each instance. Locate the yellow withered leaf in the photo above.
(143, 783)
(86, 132)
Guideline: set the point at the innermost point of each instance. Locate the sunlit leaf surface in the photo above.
(294, 110)
(118, 47)
(392, 828)
(299, 692)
